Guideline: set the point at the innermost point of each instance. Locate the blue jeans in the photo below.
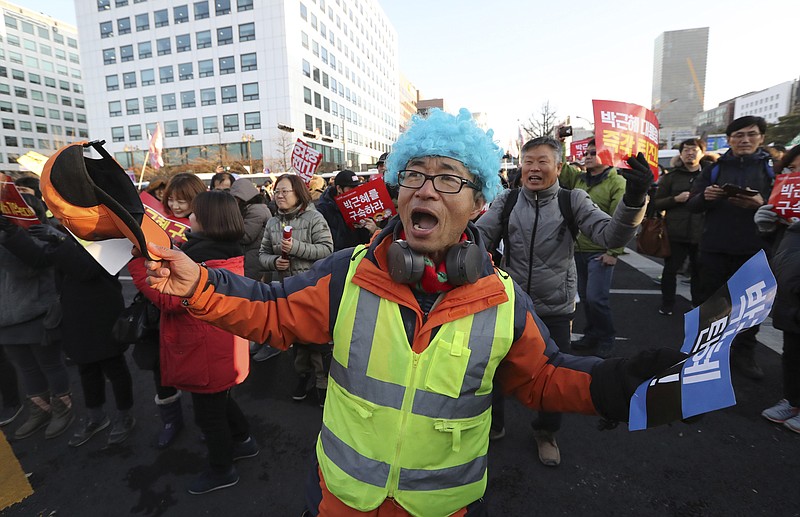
(594, 285)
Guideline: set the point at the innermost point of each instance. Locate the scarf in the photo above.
(434, 276)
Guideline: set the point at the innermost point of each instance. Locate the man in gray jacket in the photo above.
(539, 252)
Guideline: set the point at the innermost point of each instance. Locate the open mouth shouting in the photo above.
(423, 221)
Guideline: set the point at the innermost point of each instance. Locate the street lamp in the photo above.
(249, 138)
(587, 120)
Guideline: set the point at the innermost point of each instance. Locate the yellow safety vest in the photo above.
(414, 427)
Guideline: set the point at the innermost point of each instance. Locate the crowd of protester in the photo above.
(554, 246)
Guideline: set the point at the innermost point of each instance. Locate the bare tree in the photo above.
(284, 144)
(542, 123)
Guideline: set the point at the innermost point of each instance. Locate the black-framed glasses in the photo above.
(591, 153)
(442, 183)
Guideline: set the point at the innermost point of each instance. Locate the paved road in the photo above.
(731, 463)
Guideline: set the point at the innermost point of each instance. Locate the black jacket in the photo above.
(786, 265)
(729, 229)
(682, 224)
(343, 236)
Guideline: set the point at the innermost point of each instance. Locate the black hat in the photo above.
(346, 179)
(382, 158)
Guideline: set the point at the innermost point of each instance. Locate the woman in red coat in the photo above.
(192, 356)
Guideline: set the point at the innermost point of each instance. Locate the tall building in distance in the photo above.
(42, 103)
(679, 81)
(238, 81)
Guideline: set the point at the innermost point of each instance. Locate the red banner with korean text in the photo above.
(622, 130)
(785, 196)
(305, 160)
(176, 227)
(370, 200)
(13, 207)
(577, 149)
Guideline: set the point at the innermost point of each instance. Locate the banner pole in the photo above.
(141, 176)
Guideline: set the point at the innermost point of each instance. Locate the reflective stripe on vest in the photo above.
(406, 425)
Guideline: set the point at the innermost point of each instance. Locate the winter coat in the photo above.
(343, 235)
(546, 269)
(256, 216)
(730, 229)
(196, 356)
(27, 288)
(682, 224)
(91, 301)
(786, 266)
(311, 240)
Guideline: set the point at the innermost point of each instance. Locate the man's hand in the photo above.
(282, 264)
(607, 260)
(744, 201)
(683, 197)
(47, 233)
(638, 180)
(713, 193)
(174, 274)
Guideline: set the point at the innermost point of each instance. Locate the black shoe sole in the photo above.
(218, 487)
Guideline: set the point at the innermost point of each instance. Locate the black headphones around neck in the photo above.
(463, 261)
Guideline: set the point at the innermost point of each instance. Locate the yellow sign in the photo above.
(33, 161)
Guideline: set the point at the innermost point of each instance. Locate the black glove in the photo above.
(45, 232)
(615, 380)
(5, 223)
(638, 180)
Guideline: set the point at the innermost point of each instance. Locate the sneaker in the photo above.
(254, 347)
(301, 390)
(89, 429)
(549, 454)
(9, 414)
(321, 394)
(666, 310)
(210, 480)
(780, 412)
(745, 364)
(266, 352)
(496, 434)
(583, 344)
(246, 449)
(121, 429)
(793, 424)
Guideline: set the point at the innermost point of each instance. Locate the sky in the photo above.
(508, 57)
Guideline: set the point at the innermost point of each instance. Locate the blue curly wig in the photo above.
(456, 137)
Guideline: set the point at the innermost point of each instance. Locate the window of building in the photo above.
(109, 56)
(121, 3)
(132, 106)
(210, 125)
(115, 109)
(189, 126)
(81, 118)
(161, 18)
(244, 5)
(142, 22)
(163, 46)
(74, 58)
(228, 94)
(168, 102)
(166, 74)
(29, 44)
(129, 79)
(304, 39)
(303, 11)
(315, 48)
(208, 96)
(64, 85)
(227, 65)
(249, 62)
(307, 95)
(106, 30)
(150, 104)
(103, 5)
(315, 74)
(205, 68)
(188, 99)
(52, 98)
(306, 68)
(247, 31)
(203, 39)
(44, 144)
(41, 127)
(225, 36)
(148, 77)
(26, 126)
(180, 13)
(230, 122)
(185, 71)
(5, 107)
(9, 124)
(126, 53)
(317, 100)
(19, 75)
(183, 43)
(118, 134)
(309, 123)
(223, 7)
(11, 141)
(252, 120)
(145, 49)
(135, 132)
(124, 25)
(37, 95)
(250, 91)
(39, 111)
(20, 92)
(171, 128)
(28, 143)
(201, 10)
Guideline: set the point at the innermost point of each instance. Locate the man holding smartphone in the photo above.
(729, 192)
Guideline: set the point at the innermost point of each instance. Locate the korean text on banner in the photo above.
(368, 201)
(176, 227)
(577, 149)
(305, 160)
(13, 206)
(623, 130)
(785, 196)
(702, 382)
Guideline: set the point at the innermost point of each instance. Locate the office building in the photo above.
(771, 103)
(408, 102)
(679, 79)
(42, 103)
(222, 76)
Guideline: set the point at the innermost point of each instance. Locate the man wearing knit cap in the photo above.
(423, 325)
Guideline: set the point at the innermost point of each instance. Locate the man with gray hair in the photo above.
(539, 248)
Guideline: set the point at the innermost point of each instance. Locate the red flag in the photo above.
(156, 146)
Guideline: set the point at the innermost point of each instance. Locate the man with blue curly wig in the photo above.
(422, 326)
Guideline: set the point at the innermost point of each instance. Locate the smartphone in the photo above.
(731, 190)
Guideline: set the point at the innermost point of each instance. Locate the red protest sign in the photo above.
(13, 206)
(368, 201)
(176, 227)
(622, 130)
(785, 196)
(305, 160)
(577, 149)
